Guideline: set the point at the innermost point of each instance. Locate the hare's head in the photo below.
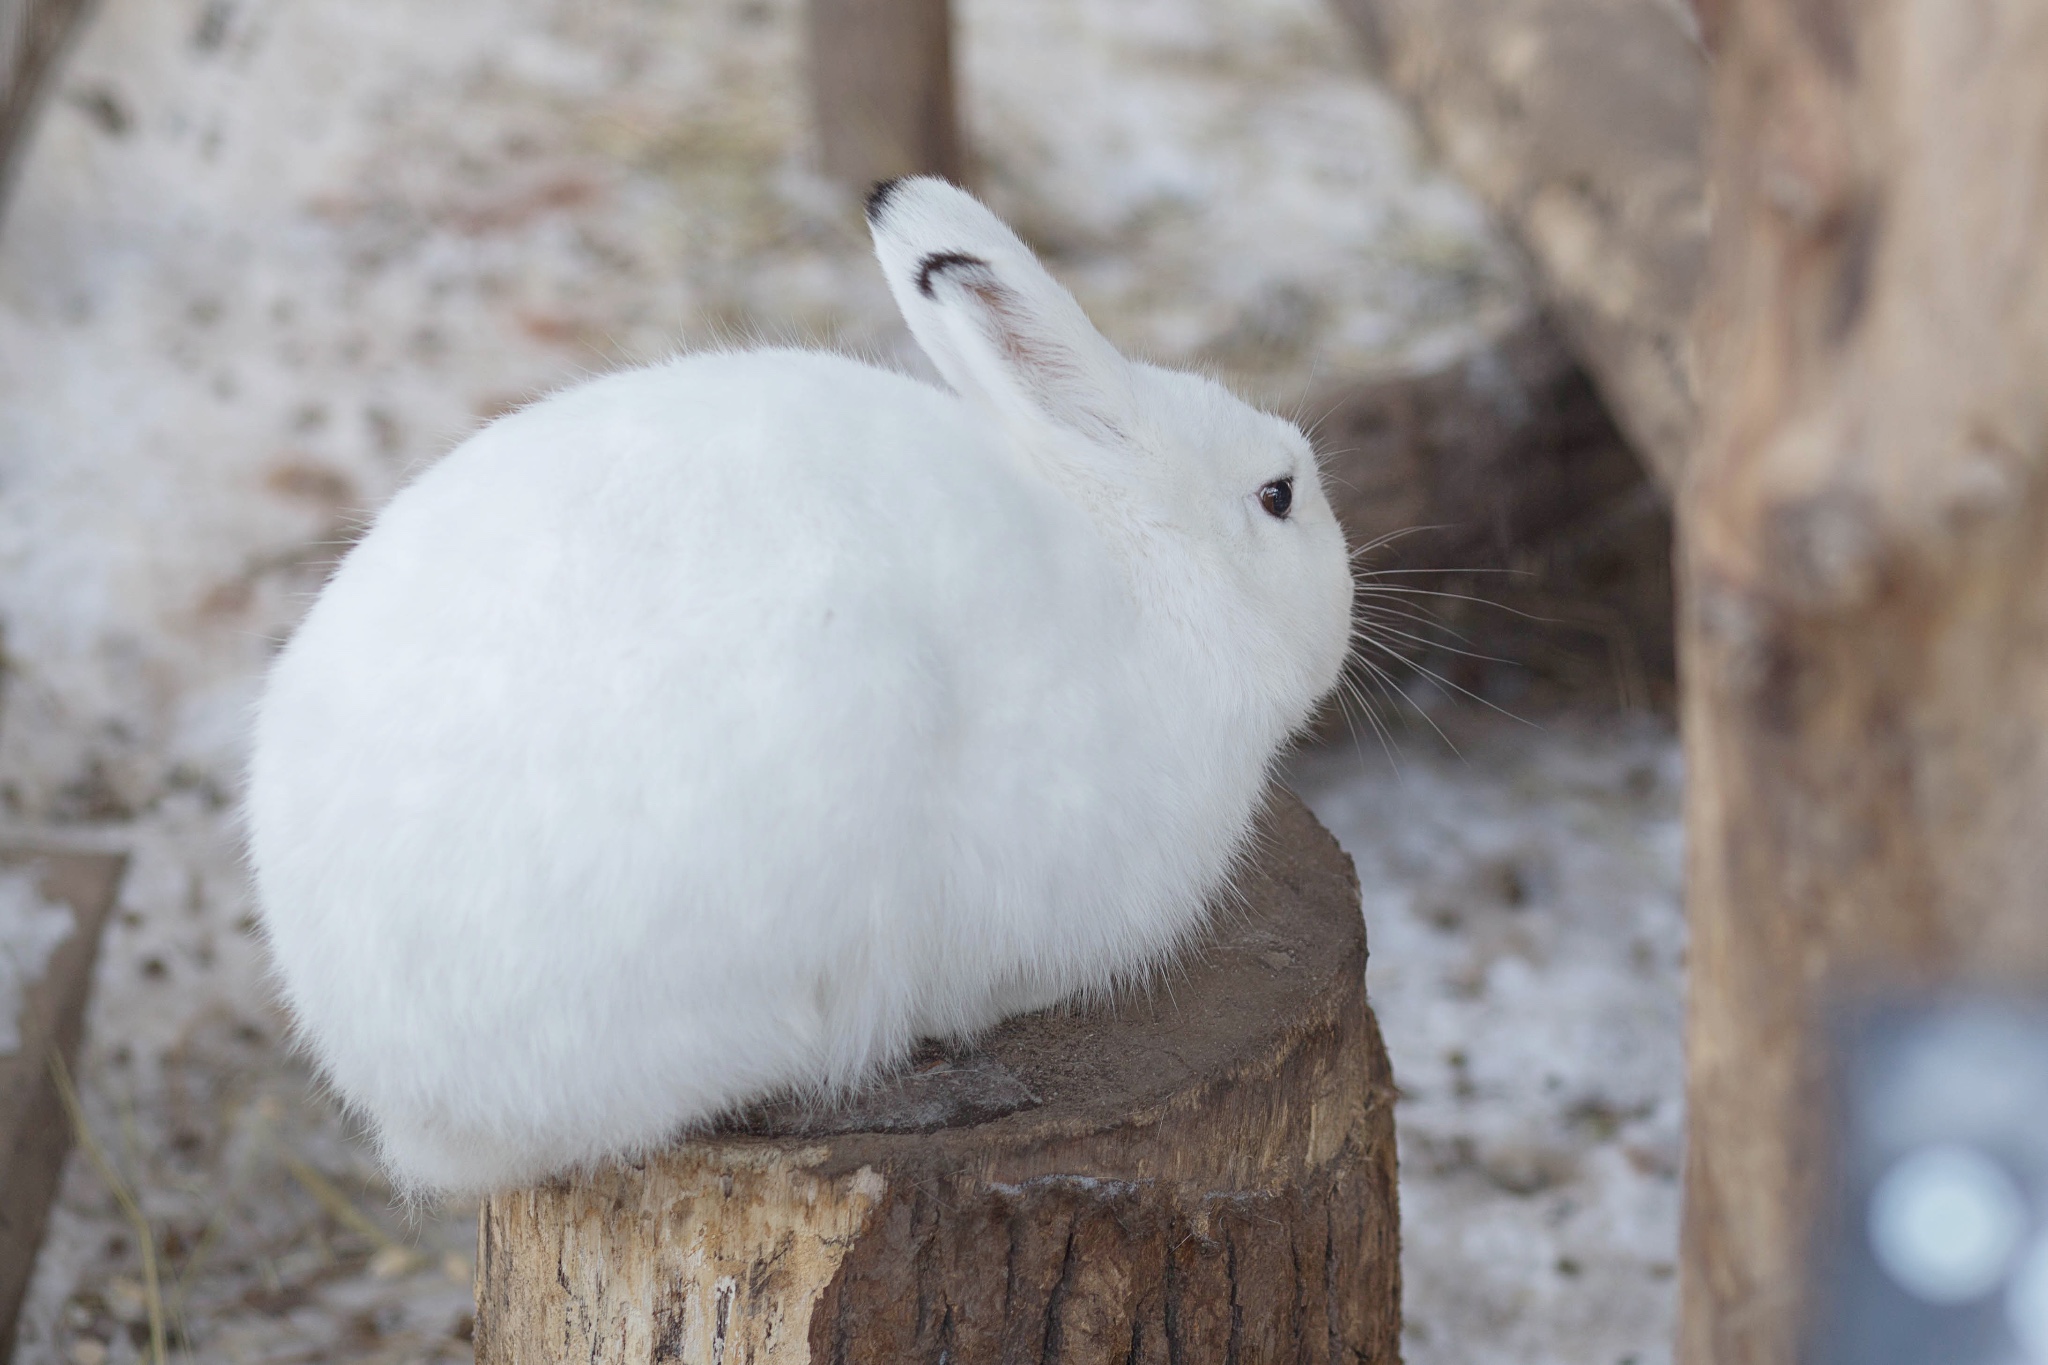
(1218, 504)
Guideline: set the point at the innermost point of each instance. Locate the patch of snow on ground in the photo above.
(31, 928)
(1526, 939)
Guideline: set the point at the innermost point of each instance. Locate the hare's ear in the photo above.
(1000, 329)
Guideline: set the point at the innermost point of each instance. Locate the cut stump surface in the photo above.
(1201, 1172)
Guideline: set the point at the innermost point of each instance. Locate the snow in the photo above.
(265, 259)
(1525, 937)
(31, 929)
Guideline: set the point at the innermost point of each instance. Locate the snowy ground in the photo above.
(1522, 916)
(265, 258)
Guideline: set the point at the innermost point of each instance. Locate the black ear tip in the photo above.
(940, 261)
(878, 198)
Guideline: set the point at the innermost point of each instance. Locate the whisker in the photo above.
(1380, 616)
(1399, 611)
(1432, 644)
(1390, 537)
(1462, 597)
(1442, 681)
(1347, 693)
(1315, 367)
(1388, 686)
(1389, 573)
(1370, 707)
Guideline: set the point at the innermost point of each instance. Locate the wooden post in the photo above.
(35, 1130)
(882, 89)
(33, 33)
(1204, 1174)
(1864, 568)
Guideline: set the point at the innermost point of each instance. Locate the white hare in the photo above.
(724, 726)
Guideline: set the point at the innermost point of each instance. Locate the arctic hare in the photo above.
(723, 726)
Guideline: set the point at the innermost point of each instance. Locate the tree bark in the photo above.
(1579, 122)
(1864, 574)
(35, 1130)
(882, 89)
(1202, 1173)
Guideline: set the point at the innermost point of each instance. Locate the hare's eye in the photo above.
(1277, 498)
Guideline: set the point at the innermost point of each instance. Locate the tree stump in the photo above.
(1202, 1172)
(1864, 536)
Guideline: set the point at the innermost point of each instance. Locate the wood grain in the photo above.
(1202, 1173)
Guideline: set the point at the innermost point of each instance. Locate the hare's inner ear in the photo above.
(999, 328)
(1013, 352)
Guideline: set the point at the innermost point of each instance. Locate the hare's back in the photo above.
(628, 637)
(764, 506)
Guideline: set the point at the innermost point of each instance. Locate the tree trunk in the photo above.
(882, 89)
(1579, 122)
(1205, 1173)
(1864, 573)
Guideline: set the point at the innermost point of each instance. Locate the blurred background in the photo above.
(259, 261)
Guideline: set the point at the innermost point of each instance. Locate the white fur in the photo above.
(726, 725)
